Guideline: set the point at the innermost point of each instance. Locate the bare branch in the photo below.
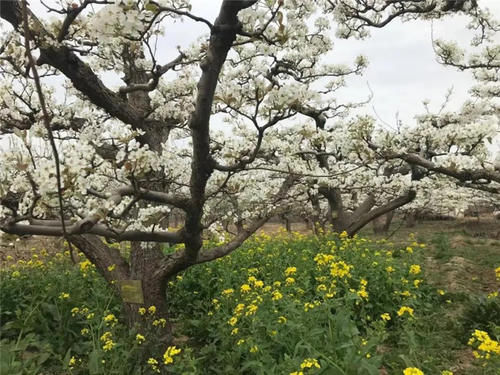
(144, 194)
(100, 230)
(223, 250)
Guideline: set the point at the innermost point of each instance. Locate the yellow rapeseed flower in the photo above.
(386, 317)
(239, 308)
(309, 363)
(321, 288)
(405, 309)
(309, 306)
(245, 288)
(140, 338)
(415, 269)
(154, 364)
(152, 310)
(412, 371)
(340, 269)
(108, 345)
(169, 354)
(84, 266)
(492, 295)
(363, 293)
(282, 320)
(64, 296)
(276, 295)
(110, 319)
(323, 259)
(486, 344)
(251, 309)
(142, 310)
(106, 336)
(259, 284)
(159, 322)
(290, 271)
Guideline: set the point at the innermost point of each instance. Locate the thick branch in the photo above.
(153, 83)
(109, 262)
(464, 175)
(360, 222)
(80, 74)
(223, 250)
(221, 39)
(148, 195)
(97, 229)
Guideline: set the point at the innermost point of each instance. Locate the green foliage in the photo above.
(279, 305)
(483, 313)
(442, 246)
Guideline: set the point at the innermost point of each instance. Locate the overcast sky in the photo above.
(402, 70)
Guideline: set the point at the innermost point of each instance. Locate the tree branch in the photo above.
(98, 229)
(360, 222)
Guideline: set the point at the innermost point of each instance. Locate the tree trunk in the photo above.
(286, 221)
(144, 261)
(239, 227)
(382, 224)
(143, 270)
(411, 219)
(315, 217)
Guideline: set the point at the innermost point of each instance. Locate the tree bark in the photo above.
(342, 220)
(144, 264)
(382, 224)
(144, 261)
(286, 221)
(411, 219)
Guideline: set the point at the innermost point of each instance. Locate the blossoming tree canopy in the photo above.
(92, 162)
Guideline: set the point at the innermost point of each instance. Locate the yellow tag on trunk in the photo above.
(131, 291)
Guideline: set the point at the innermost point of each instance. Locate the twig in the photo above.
(46, 122)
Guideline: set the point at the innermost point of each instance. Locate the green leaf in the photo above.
(94, 361)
